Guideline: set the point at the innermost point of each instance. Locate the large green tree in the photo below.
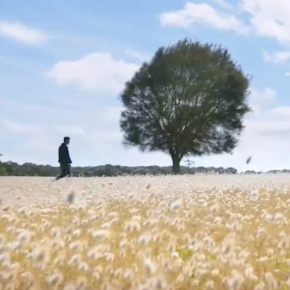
(189, 100)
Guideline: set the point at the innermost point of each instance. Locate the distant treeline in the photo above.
(30, 169)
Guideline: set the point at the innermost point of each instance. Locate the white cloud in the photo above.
(277, 57)
(264, 18)
(269, 18)
(19, 128)
(266, 94)
(202, 13)
(97, 72)
(22, 33)
(281, 113)
(223, 4)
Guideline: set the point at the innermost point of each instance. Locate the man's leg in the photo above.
(62, 172)
(67, 170)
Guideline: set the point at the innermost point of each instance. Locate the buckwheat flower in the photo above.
(77, 233)
(28, 277)
(70, 286)
(176, 204)
(214, 208)
(132, 226)
(181, 228)
(101, 234)
(144, 239)
(284, 243)
(263, 259)
(122, 253)
(75, 260)
(56, 232)
(167, 265)
(10, 286)
(260, 286)
(2, 239)
(228, 246)
(109, 270)
(105, 226)
(94, 254)
(40, 255)
(268, 216)
(81, 282)
(75, 246)
(235, 281)
(151, 222)
(170, 247)
(270, 252)
(55, 279)
(180, 278)
(6, 276)
(249, 274)
(157, 283)
(5, 208)
(123, 244)
(210, 285)
(282, 234)
(209, 242)
(5, 257)
(109, 257)
(271, 280)
(215, 272)
(96, 275)
(106, 286)
(175, 255)
(150, 267)
(195, 283)
(83, 266)
(24, 237)
(128, 274)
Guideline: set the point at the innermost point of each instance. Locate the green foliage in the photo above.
(3, 171)
(184, 254)
(190, 100)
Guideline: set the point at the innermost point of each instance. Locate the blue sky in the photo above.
(63, 63)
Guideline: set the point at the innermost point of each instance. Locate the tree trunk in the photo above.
(175, 164)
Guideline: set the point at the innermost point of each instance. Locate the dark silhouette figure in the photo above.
(64, 159)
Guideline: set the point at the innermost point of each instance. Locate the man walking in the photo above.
(64, 159)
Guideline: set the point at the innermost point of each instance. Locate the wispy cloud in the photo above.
(269, 19)
(203, 13)
(22, 33)
(277, 57)
(19, 128)
(98, 72)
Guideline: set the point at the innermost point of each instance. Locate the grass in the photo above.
(188, 232)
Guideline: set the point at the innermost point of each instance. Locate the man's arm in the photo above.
(68, 156)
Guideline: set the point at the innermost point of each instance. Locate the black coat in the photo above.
(63, 154)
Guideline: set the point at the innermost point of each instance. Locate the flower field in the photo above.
(145, 233)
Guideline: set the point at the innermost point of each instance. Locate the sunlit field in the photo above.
(188, 232)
